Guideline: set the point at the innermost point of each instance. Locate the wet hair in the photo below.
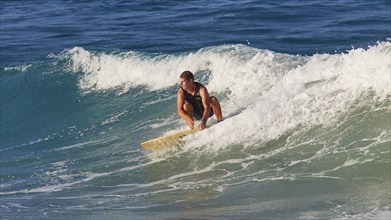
(187, 75)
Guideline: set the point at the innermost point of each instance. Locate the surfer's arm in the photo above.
(206, 103)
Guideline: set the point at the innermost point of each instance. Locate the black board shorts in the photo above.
(197, 113)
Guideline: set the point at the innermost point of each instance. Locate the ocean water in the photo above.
(304, 87)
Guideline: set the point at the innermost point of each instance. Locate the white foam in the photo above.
(376, 214)
(57, 186)
(114, 118)
(127, 70)
(312, 93)
(21, 68)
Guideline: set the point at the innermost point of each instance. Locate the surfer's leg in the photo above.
(215, 104)
(188, 109)
(190, 112)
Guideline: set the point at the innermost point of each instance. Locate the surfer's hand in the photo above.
(190, 123)
(202, 125)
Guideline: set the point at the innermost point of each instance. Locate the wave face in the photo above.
(303, 136)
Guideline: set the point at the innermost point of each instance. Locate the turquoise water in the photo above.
(304, 87)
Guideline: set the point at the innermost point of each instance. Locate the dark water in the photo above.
(304, 86)
(31, 31)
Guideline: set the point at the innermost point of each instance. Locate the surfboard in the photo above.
(168, 140)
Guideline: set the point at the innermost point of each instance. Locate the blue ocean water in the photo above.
(304, 87)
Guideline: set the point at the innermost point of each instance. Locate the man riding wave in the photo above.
(194, 102)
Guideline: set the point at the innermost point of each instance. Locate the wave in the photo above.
(264, 94)
(268, 93)
(227, 63)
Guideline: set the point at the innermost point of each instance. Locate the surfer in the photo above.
(194, 102)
